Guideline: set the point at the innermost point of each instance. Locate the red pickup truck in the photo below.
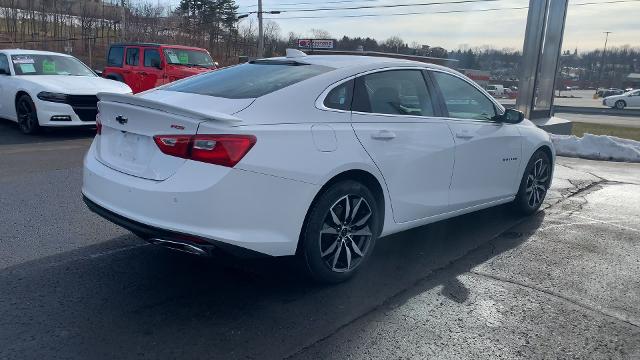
(143, 66)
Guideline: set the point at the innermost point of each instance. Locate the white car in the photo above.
(42, 88)
(310, 155)
(628, 99)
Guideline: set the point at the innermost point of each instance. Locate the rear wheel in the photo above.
(534, 184)
(620, 105)
(340, 232)
(27, 115)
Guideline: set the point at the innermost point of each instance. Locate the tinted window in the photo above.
(133, 56)
(151, 58)
(4, 63)
(340, 97)
(248, 80)
(39, 64)
(399, 92)
(464, 101)
(115, 56)
(176, 56)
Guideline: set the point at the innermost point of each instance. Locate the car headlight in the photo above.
(53, 97)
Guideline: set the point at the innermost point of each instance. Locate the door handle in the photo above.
(464, 136)
(143, 73)
(383, 135)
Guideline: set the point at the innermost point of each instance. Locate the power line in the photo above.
(313, 3)
(387, 6)
(440, 12)
(397, 14)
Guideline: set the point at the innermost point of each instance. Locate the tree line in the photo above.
(85, 28)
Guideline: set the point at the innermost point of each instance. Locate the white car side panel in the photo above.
(487, 160)
(533, 138)
(416, 163)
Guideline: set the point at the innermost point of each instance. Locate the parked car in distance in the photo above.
(628, 99)
(496, 91)
(609, 92)
(314, 156)
(144, 66)
(47, 89)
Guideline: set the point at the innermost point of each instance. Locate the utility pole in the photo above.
(124, 21)
(260, 31)
(604, 51)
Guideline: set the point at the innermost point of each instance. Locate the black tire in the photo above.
(620, 104)
(534, 184)
(346, 239)
(27, 115)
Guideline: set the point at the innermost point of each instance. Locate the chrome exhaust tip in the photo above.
(180, 246)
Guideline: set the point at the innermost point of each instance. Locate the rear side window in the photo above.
(4, 64)
(115, 56)
(151, 58)
(247, 81)
(133, 56)
(340, 97)
(397, 92)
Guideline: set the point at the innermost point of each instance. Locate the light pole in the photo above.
(604, 51)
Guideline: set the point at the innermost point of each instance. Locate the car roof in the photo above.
(158, 45)
(357, 61)
(30, 52)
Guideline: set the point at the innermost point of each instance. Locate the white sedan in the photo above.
(628, 99)
(315, 156)
(42, 88)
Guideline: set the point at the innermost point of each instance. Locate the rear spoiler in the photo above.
(157, 105)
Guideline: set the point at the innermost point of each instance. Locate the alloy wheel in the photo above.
(346, 233)
(537, 182)
(26, 116)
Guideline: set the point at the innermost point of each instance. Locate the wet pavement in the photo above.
(561, 284)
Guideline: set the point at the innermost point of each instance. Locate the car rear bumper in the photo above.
(203, 202)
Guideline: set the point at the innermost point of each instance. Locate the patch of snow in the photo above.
(597, 147)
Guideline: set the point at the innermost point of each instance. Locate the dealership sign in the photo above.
(316, 43)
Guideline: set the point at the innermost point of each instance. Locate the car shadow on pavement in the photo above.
(10, 134)
(146, 301)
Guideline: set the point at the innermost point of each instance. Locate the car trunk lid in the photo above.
(129, 123)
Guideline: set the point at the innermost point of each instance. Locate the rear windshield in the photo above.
(246, 81)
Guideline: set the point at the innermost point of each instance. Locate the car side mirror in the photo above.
(511, 116)
(157, 64)
(4, 72)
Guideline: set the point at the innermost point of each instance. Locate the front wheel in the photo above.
(27, 115)
(534, 184)
(620, 105)
(340, 232)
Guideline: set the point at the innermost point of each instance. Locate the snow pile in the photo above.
(597, 147)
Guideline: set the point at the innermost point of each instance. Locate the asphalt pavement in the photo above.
(564, 283)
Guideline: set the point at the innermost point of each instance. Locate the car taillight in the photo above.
(224, 150)
(98, 124)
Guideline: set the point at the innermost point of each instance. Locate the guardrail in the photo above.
(589, 110)
(596, 111)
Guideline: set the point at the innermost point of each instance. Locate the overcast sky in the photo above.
(498, 29)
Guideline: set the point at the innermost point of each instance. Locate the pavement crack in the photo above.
(556, 295)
